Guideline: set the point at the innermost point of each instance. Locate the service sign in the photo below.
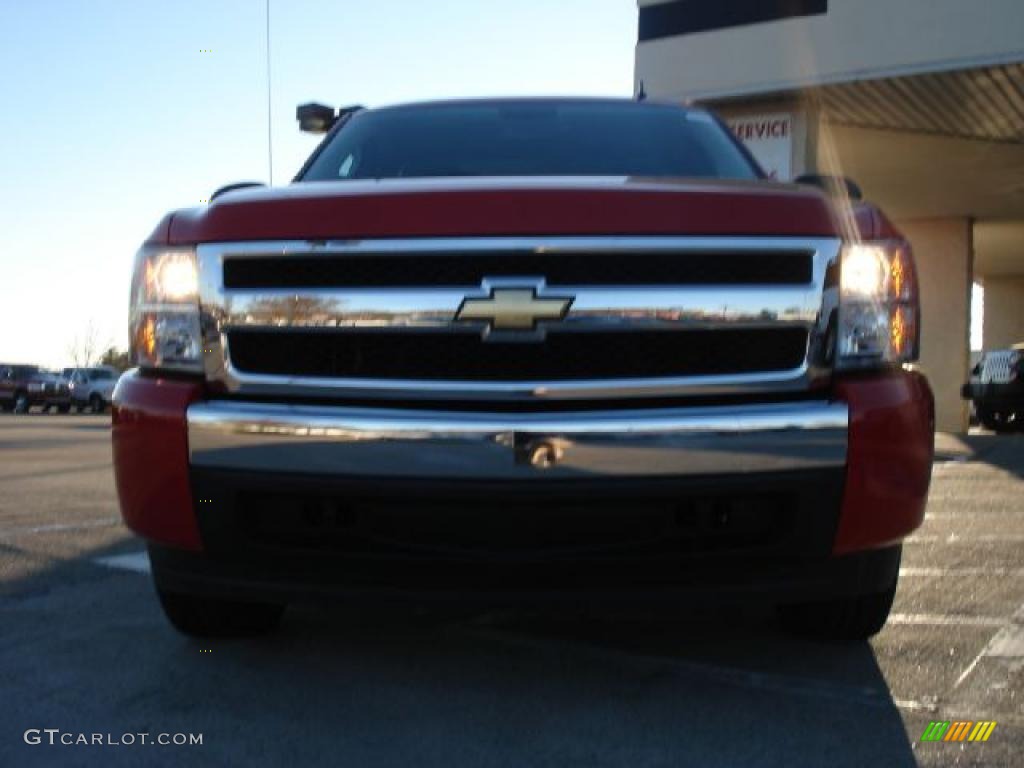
(770, 139)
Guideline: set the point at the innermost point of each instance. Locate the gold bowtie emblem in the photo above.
(513, 309)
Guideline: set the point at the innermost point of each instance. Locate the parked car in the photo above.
(55, 392)
(526, 349)
(25, 386)
(14, 386)
(91, 387)
(996, 389)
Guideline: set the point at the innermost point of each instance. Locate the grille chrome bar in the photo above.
(596, 308)
(641, 307)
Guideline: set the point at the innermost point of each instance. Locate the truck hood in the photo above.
(493, 207)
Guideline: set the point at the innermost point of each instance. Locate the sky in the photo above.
(114, 112)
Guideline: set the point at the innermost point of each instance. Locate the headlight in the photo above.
(879, 310)
(171, 276)
(165, 331)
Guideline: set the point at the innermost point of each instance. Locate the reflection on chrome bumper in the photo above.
(371, 442)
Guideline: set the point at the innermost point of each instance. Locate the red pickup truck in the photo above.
(525, 350)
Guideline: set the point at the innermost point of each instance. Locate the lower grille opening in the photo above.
(457, 529)
(464, 356)
(490, 538)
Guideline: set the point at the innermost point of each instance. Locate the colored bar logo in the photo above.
(958, 730)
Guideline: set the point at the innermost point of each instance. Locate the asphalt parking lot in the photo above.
(84, 649)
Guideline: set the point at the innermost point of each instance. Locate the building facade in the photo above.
(921, 102)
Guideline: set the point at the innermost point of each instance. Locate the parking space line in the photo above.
(50, 472)
(137, 562)
(961, 571)
(1008, 642)
(955, 538)
(915, 705)
(945, 620)
(58, 527)
(973, 514)
(970, 667)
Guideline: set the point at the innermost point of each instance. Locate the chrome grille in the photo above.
(653, 316)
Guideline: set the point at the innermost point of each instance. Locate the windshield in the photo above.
(100, 373)
(531, 138)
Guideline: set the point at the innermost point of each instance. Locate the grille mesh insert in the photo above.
(468, 269)
(463, 356)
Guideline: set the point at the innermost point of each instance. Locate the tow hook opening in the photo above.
(539, 452)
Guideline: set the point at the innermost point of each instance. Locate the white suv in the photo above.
(91, 387)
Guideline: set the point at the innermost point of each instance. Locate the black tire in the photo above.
(96, 404)
(998, 421)
(208, 617)
(1006, 422)
(21, 404)
(63, 408)
(843, 620)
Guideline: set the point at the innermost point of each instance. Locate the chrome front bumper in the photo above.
(405, 443)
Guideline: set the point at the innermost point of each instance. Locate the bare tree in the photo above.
(116, 358)
(84, 349)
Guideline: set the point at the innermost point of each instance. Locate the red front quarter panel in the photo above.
(889, 459)
(150, 437)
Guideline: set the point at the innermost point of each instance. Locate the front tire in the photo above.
(841, 620)
(1009, 421)
(96, 404)
(209, 617)
(998, 421)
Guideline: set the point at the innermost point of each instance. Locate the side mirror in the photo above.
(834, 186)
(319, 118)
(237, 185)
(315, 118)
